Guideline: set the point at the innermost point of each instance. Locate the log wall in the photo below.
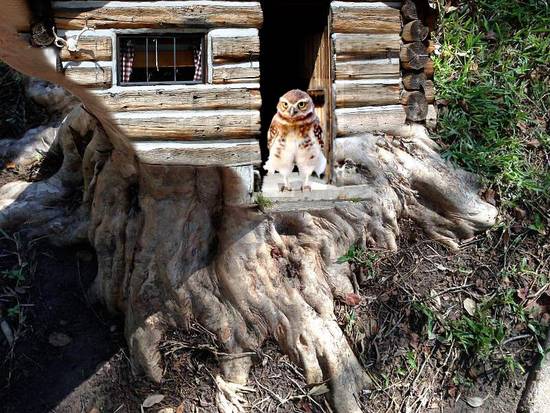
(225, 108)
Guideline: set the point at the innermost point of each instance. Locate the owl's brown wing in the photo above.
(318, 133)
(273, 133)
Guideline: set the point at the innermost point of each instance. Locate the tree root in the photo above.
(172, 248)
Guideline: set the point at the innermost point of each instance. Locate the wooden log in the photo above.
(235, 45)
(429, 91)
(140, 15)
(350, 94)
(190, 125)
(416, 106)
(368, 69)
(414, 31)
(414, 56)
(92, 48)
(409, 11)
(366, 46)
(230, 153)
(429, 69)
(414, 81)
(89, 76)
(184, 97)
(369, 119)
(236, 73)
(361, 17)
(431, 118)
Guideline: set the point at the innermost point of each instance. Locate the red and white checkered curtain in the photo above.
(197, 57)
(128, 54)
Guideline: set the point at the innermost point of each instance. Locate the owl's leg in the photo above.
(286, 185)
(305, 184)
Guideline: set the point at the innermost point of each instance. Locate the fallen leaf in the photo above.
(180, 408)
(166, 410)
(152, 400)
(489, 196)
(353, 299)
(491, 36)
(11, 165)
(533, 143)
(59, 339)
(475, 402)
(470, 306)
(318, 390)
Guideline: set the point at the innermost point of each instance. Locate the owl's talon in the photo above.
(306, 188)
(284, 188)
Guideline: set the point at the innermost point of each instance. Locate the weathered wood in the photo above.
(414, 81)
(200, 154)
(92, 48)
(361, 17)
(350, 94)
(431, 118)
(236, 73)
(414, 56)
(414, 31)
(429, 69)
(365, 46)
(409, 11)
(139, 15)
(95, 77)
(184, 97)
(369, 119)
(429, 91)
(190, 125)
(416, 106)
(235, 45)
(368, 69)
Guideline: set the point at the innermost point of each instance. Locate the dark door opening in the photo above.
(296, 53)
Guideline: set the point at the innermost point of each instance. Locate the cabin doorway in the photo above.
(296, 53)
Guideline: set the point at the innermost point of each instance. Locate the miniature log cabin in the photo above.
(197, 82)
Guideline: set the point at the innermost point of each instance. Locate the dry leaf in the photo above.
(180, 408)
(475, 402)
(318, 390)
(152, 400)
(470, 306)
(353, 299)
(59, 339)
(11, 165)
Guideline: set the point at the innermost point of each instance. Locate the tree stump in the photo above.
(173, 248)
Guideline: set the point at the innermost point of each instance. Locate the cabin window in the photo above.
(160, 59)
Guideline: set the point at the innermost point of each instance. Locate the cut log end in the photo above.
(416, 106)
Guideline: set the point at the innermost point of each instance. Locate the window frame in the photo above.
(146, 35)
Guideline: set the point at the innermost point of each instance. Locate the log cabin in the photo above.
(196, 82)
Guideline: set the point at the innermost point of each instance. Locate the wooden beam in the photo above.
(366, 46)
(414, 56)
(90, 76)
(361, 17)
(190, 125)
(139, 15)
(235, 45)
(236, 73)
(350, 94)
(368, 69)
(199, 154)
(92, 48)
(369, 119)
(182, 97)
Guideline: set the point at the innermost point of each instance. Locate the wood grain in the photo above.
(366, 46)
(369, 119)
(236, 73)
(187, 97)
(366, 93)
(368, 69)
(233, 45)
(93, 77)
(92, 48)
(365, 17)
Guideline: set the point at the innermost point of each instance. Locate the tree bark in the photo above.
(173, 247)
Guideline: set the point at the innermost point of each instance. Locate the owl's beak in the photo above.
(292, 111)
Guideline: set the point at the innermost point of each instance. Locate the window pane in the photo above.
(132, 60)
(161, 59)
(189, 59)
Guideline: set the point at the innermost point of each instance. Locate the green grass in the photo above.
(493, 71)
(263, 202)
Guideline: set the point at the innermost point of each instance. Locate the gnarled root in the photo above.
(173, 246)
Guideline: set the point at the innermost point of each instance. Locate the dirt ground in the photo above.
(406, 328)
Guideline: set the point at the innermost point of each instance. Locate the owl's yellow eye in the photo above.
(284, 105)
(302, 105)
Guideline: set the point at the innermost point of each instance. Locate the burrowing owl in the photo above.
(295, 137)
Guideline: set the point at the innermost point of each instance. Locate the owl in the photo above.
(295, 137)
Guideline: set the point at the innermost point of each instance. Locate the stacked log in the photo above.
(417, 66)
